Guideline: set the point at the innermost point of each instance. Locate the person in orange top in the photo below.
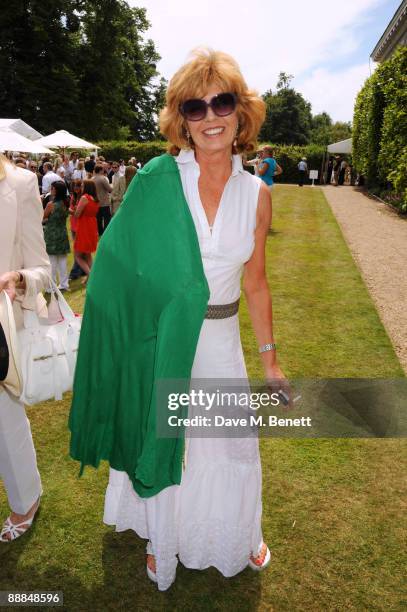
(86, 238)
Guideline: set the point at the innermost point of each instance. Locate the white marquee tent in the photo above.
(11, 141)
(343, 146)
(21, 127)
(62, 139)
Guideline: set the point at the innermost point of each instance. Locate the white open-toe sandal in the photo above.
(13, 530)
(262, 560)
(152, 575)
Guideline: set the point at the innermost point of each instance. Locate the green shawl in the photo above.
(145, 304)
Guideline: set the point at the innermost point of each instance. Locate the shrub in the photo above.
(124, 149)
(380, 130)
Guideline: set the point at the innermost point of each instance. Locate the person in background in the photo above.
(86, 238)
(90, 165)
(129, 174)
(122, 167)
(302, 171)
(106, 169)
(20, 162)
(61, 174)
(24, 273)
(49, 177)
(56, 235)
(34, 168)
(336, 169)
(103, 191)
(255, 162)
(268, 168)
(109, 170)
(73, 161)
(133, 161)
(66, 168)
(329, 171)
(58, 161)
(76, 185)
(342, 171)
(118, 187)
(79, 174)
(44, 159)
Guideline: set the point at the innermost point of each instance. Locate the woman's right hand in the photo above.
(8, 283)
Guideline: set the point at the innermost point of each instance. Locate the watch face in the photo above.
(4, 355)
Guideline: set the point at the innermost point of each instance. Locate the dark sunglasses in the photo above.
(196, 109)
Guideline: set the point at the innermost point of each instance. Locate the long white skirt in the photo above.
(213, 518)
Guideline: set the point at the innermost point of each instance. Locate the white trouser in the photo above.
(58, 265)
(18, 461)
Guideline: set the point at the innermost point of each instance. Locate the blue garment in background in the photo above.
(272, 165)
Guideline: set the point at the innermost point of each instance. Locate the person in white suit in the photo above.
(24, 272)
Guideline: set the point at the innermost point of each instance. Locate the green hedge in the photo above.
(124, 149)
(380, 130)
(287, 156)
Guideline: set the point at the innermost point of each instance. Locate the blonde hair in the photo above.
(192, 80)
(269, 150)
(3, 162)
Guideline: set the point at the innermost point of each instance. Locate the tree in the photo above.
(341, 130)
(118, 71)
(324, 131)
(82, 65)
(288, 115)
(321, 126)
(38, 50)
(284, 80)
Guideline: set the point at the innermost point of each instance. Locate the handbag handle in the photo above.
(66, 310)
(31, 319)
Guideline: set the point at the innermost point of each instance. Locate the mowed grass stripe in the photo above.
(325, 322)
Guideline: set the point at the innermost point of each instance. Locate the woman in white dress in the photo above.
(213, 518)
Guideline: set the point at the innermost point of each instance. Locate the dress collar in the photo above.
(187, 156)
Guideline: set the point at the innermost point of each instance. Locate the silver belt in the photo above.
(222, 311)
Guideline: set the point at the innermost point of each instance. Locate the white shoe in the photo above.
(262, 560)
(152, 575)
(16, 530)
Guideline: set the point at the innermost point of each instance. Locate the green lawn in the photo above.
(333, 510)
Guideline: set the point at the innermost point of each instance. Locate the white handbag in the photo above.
(48, 349)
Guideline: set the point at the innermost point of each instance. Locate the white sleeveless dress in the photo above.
(213, 518)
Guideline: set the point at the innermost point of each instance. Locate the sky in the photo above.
(325, 44)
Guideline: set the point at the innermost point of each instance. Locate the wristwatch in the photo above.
(267, 347)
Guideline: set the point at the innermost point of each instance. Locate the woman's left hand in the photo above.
(8, 283)
(278, 382)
